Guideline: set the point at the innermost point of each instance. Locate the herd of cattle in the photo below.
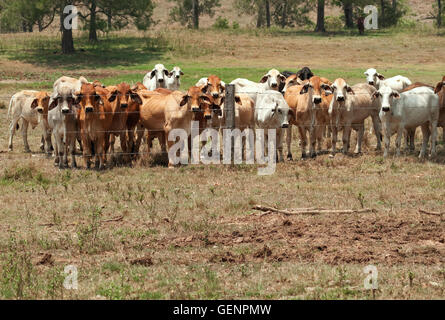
(94, 115)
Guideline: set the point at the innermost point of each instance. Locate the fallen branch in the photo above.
(120, 218)
(437, 214)
(311, 211)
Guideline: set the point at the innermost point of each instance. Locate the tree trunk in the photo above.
(109, 19)
(382, 18)
(394, 5)
(24, 28)
(93, 27)
(30, 27)
(347, 8)
(284, 17)
(320, 17)
(267, 13)
(260, 18)
(67, 34)
(439, 15)
(196, 14)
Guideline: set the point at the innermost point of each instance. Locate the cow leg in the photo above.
(289, 142)
(46, 142)
(140, 130)
(433, 138)
(87, 152)
(65, 154)
(56, 151)
(124, 147)
(12, 128)
(42, 143)
(346, 138)
(399, 140)
(376, 124)
(303, 138)
(163, 144)
(73, 152)
(334, 140)
(426, 137)
(320, 133)
(387, 139)
(312, 141)
(280, 145)
(101, 147)
(360, 133)
(112, 142)
(59, 150)
(169, 145)
(25, 135)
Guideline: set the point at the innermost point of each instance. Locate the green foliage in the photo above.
(333, 23)
(221, 23)
(183, 12)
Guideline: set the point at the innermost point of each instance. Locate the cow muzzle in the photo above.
(196, 109)
(40, 110)
(317, 100)
(124, 106)
(65, 110)
(208, 116)
(274, 85)
(89, 109)
(371, 83)
(340, 99)
(215, 95)
(285, 125)
(161, 80)
(385, 109)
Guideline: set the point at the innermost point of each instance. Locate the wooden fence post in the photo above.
(229, 112)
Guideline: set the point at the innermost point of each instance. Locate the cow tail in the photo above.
(10, 106)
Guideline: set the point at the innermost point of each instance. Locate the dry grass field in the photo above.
(147, 232)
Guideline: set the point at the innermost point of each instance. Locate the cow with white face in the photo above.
(349, 109)
(272, 112)
(156, 78)
(174, 79)
(407, 111)
(272, 80)
(376, 79)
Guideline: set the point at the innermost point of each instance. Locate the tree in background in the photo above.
(253, 7)
(25, 14)
(320, 16)
(103, 15)
(291, 13)
(188, 11)
(439, 13)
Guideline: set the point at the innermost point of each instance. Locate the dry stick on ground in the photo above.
(439, 214)
(311, 211)
(120, 218)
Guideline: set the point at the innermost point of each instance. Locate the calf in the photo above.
(376, 79)
(213, 86)
(348, 110)
(408, 110)
(96, 118)
(133, 121)
(272, 112)
(121, 97)
(31, 107)
(310, 103)
(62, 119)
(156, 78)
(174, 79)
(270, 81)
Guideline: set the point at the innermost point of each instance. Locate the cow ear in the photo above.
(375, 95)
(349, 90)
(34, 104)
(113, 96)
(204, 88)
(238, 100)
(264, 79)
(223, 85)
(396, 95)
(181, 73)
(53, 104)
(282, 78)
(170, 74)
(152, 74)
(135, 97)
(184, 100)
(305, 89)
(438, 87)
(166, 72)
(380, 76)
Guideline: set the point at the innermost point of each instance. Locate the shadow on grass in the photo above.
(107, 53)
